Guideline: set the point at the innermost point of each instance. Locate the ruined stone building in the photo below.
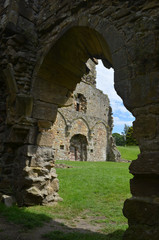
(44, 46)
(83, 131)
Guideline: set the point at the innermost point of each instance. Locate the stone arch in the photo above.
(111, 55)
(130, 28)
(63, 118)
(101, 36)
(99, 141)
(79, 126)
(100, 122)
(78, 147)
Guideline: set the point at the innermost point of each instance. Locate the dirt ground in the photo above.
(10, 231)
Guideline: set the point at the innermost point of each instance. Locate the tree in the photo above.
(119, 139)
(130, 140)
(125, 131)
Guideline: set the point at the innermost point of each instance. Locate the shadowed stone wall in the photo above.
(44, 48)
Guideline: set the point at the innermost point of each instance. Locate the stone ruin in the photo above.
(83, 131)
(44, 46)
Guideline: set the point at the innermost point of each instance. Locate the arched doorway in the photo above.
(65, 63)
(78, 148)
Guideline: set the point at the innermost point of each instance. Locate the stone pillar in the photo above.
(142, 210)
(27, 161)
(37, 181)
(27, 168)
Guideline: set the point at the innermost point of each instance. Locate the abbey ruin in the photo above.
(83, 131)
(44, 46)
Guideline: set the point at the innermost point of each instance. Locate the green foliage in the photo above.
(119, 139)
(129, 152)
(130, 140)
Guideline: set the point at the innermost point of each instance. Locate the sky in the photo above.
(105, 82)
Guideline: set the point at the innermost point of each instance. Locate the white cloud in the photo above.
(105, 82)
(118, 122)
(118, 106)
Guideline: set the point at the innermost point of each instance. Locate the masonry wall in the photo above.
(91, 121)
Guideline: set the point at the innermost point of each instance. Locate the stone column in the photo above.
(142, 210)
(37, 182)
(27, 170)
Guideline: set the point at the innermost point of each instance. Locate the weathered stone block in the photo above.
(45, 85)
(116, 58)
(45, 139)
(147, 163)
(9, 201)
(24, 105)
(10, 79)
(141, 232)
(149, 144)
(44, 124)
(141, 211)
(34, 191)
(145, 186)
(55, 184)
(111, 34)
(26, 10)
(29, 29)
(18, 134)
(44, 111)
(145, 127)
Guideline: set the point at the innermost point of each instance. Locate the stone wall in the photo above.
(44, 46)
(90, 119)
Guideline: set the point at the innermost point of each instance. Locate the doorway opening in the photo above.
(78, 148)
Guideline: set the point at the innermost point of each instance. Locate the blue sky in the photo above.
(105, 82)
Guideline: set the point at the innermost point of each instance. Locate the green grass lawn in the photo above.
(129, 152)
(96, 189)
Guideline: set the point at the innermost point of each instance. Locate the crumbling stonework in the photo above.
(81, 131)
(44, 46)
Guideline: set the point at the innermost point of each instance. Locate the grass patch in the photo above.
(89, 189)
(129, 152)
(58, 235)
(96, 189)
(28, 217)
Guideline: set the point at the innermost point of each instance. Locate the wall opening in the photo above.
(63, 67)
(78, 148)
(62, 147)
(80, 102)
